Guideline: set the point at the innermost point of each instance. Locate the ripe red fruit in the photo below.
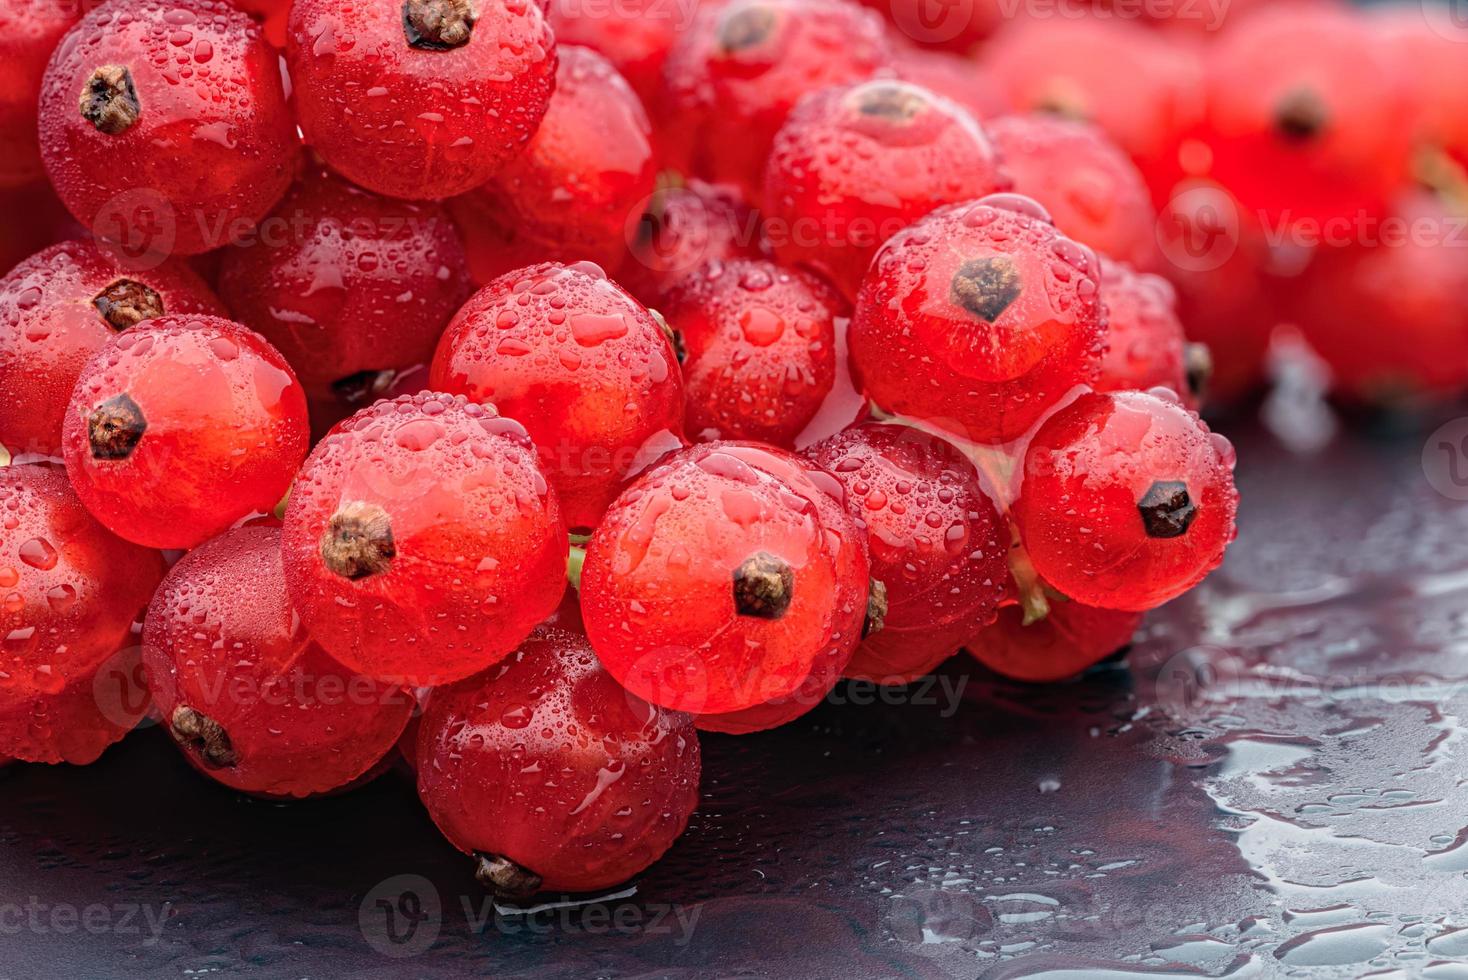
(184, 139)
(78, 722)
(760, 345)
(588, 168)
(29, 32)
(936, 540)
(182, 426)
(727, 577)
(1093, 191)
(70, 592)
(550, 775)
(684, 227)
(1320, 135)
(56, 309)
(1431, 41)
(978, 319)
(1389, 313)
(1146, 345)
(422, 543)
(583, 366)
(1128, 500)
(423, 99)
(854, 166)
(634, 35)
(731, 80)
(348, 285)
(1067, 641)
(251, 701)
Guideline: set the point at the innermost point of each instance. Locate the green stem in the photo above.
(575, 559)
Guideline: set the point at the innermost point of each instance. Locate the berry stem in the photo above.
(504, 877)
(575, 559)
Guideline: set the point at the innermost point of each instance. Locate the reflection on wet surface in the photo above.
(1278, 786)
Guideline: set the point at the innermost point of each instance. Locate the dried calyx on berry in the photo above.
(358, 541)
(876, 609)
(115, 427)
(763, 586)
(987, 287)
(504, 877)
(203, 735)
(1167, 509)
(1198, 369)
(1301, 115)
(109, 100)
(127, 303)
(893, 101)
(747, 27)
(438, 25)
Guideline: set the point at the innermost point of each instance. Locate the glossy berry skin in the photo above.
(1090, 187)
(29, 32)
(358, 284)
(635, 36)
(70, 592)
(251, 701)
(1390, 316)
(185, 140)
(1146, 347)
(1128, 500)
(589, 166)
(422, 542)
(584, 367)
(182, 426)
(79, 722)
(853, 166)
(936, 540)
(1070, 639)
(420, 113)
(684, 227)
(543, 761)
(1321, 135)
(760, 348)
(727, 576)
(978, 319)
(57, 308)
(731, 80)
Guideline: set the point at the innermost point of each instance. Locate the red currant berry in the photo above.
(422, 543)
(348, 285)
(1147, 348)
(1389, 315)
(250, 699)
(937, 544)
(1128, 500)
(29, 32)
(978, 319)
(423, 99)
(70, 592)
(583, 366)
(1093, 191)
(1439, 73)
(56, 309)
(760, 344)
(550, 775)
(184, 139)
(725, 578)
(1069, 640)
(181, 426)
(958, 79)
(589, 165)
(684, 227)
(77, 723)
(634, 35)
(731, 80)
(1320, 135)
(854, 166)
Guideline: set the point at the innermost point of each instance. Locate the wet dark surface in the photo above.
(1275, 787)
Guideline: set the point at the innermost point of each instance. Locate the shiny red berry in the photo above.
(182, 426)
(634, 35)
(760, 348)
(936, 540)
(1146, 347)
(183, 139)
(347, 285)
(29, 32)
(683, 227)
(854, 166)
(550, 775)
(422, 99)
(728, 576)
(251, 701)
(1090, 187)
(56, 309)
(583, 366)
(422, 542)
(1127, 500)
(70, 592)
(1070, 639)
(588, 168)
(978, 319)
(731, 80)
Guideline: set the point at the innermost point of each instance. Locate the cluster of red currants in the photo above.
(836, 397)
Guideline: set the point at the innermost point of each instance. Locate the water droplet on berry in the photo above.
(38, 553)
